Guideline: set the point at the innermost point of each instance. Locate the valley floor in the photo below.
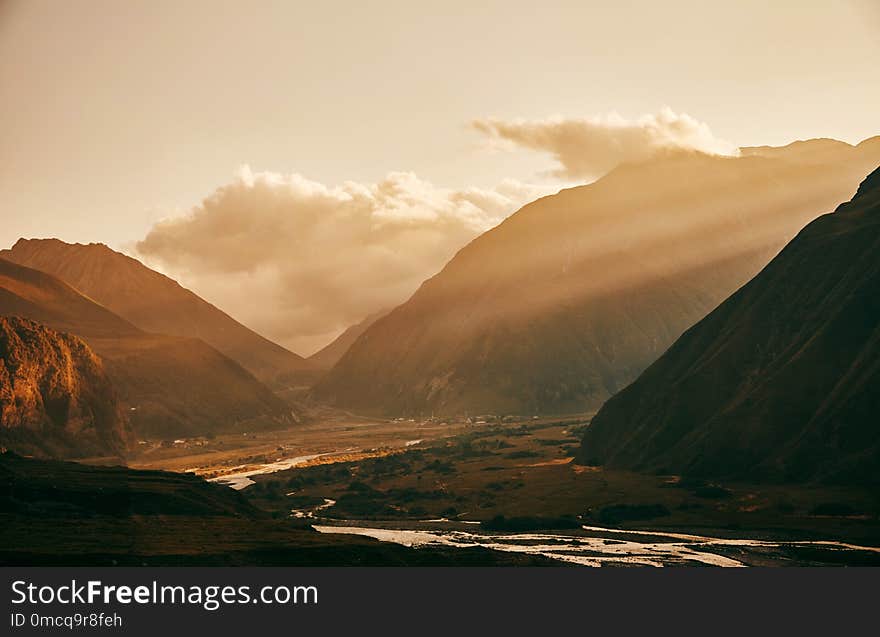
(459, 493)
(521, 478)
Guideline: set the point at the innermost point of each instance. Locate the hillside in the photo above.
(170, 386)
(154, 302)
(782, 381)
(55, 397)
(569, 299)
(68, 514)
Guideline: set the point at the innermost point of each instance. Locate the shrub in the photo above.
(530, 523)
(616, 513)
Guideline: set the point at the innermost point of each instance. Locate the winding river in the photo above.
(598, 546)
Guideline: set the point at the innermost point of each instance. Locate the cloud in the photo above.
(590, 147)
(299, 261)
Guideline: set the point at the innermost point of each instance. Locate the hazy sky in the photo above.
(116, 114)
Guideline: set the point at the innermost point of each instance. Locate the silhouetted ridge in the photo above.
(871, 185)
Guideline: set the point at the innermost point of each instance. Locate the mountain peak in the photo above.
(55, 241)
(40, 248)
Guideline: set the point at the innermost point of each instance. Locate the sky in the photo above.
(421, 124)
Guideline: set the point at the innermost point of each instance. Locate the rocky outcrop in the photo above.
(55, 397)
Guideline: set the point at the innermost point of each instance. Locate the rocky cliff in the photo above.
(55, 398)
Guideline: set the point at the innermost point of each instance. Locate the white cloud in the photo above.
(299, 261)
(590, 147)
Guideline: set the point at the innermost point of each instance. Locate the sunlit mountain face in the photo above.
(570, 298)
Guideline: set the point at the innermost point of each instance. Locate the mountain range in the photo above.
(155, 303)
(170, 386)
(780, 382)
(568, 300)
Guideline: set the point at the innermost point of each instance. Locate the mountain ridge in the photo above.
(780, 381)
(155, 302)
(171, 385)
(567, 300)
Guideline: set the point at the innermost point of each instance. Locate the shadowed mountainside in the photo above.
(55, 398)
(782, 381)
(155, 303)
(171, 386)
(570, 298)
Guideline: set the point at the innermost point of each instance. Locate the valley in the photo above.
(401, 492)
(742, 435)
(345, 439)
(516, 488)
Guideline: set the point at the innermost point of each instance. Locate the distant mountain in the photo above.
(171, 386)
(331, 353)
(55, 397)
(155, 303)
(569, 299)
(782, 381)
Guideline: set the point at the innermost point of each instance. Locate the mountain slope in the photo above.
(782, 381)
(171, 386)
(154, 302)
(570, 298)
(329, 355)
(55, 397)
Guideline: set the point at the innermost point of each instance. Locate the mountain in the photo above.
(329, 355)
(55, 397)
(782, 381)
(171, 386)
(155, 303)
(570, 298)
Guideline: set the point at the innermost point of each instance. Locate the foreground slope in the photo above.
(569, 299)
(67, 514)
(154, 302)
(781, 381)
(171, 386)
(55, 397)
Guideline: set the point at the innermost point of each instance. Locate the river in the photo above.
(240, 479)
(598, 546)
